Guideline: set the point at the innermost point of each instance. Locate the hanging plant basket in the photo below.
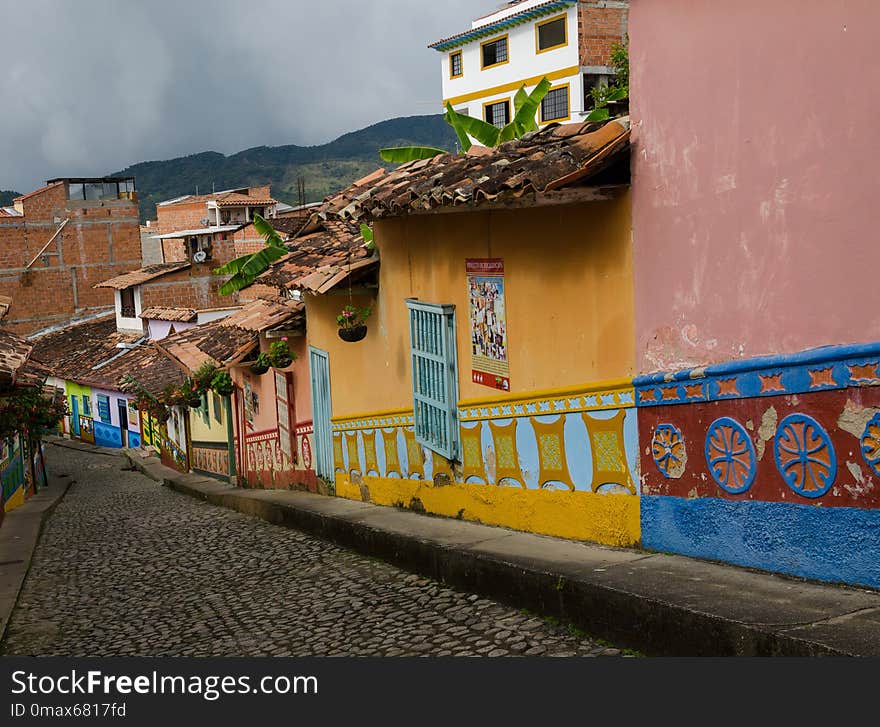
(259, 369)
(353, 334)
(282, 362)
(194, 403)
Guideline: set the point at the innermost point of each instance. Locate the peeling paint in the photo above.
(767, 430)
(856, 472)
(750, 425)
(855, 417)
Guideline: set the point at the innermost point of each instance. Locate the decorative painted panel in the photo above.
(789, 478)
(574, 440)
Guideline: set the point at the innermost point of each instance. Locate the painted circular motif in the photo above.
(668, 450)
(805, 456)
(730, 455)
(871, 443)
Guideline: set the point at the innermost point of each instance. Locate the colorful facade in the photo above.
(752, 246)
(542, 437)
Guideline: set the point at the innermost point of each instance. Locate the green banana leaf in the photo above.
(267, 231)
(233, 266)
(524, 120)
(256, 264)
(453, 118)
(601, 114)
(401, 154)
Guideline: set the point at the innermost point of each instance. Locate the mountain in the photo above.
(6, 197)
(325, 168)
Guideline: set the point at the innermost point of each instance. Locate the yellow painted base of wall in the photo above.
(16, 500)
(607, 519)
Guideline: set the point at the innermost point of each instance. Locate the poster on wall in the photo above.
(488, 323)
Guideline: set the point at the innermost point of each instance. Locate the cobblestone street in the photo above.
(128, 567)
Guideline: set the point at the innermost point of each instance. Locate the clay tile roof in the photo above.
(334, 246)
(541, 162)
(146, 369)
(209, 343)
(261, 315)
(235, 199)
(144, 275)
(5, 303)
(289, 225)
(81, 352)
(14, 353)
(186, 315)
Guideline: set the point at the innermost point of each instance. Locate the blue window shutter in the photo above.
(434, 376)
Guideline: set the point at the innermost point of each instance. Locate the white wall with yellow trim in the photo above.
(477, 85)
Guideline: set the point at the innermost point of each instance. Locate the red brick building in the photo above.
(57, 242)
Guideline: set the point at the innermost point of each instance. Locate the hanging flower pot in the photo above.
(280, 354)
(261, 365)
(353, 333)
(351, 323)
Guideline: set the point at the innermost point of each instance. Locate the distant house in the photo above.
(568, 41)
(493, 383)
(196, 223)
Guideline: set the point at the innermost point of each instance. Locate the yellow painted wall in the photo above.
(568, 292)
(607, 519)
(213, 431)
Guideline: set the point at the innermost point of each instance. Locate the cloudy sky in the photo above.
(91, 86)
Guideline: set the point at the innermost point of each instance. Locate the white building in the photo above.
(568, 41)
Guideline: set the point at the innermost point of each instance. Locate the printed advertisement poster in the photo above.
(488, 320)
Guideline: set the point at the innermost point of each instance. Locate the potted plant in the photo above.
(351, 323)
(203, 377)
(192, 396)
(280, 354)
(261, 364)
(221, 384)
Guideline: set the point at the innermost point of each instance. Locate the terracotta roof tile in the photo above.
(332, 247)
(234, 199)
(14, 353)
(557, 156)
(144, 275)
(209, 343)
(261, 315)
(80, 352)
(186, 315)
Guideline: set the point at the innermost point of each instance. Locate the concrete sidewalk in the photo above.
(19, 534)
(658, 604)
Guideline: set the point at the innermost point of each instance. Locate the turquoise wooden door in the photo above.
(319, 369)
(74, 415)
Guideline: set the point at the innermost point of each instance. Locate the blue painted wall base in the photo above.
(838, 544)
(106, 435)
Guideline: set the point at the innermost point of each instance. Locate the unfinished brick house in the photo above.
(186, 225)
(58, 241)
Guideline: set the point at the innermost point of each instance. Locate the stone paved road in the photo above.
(128, 567)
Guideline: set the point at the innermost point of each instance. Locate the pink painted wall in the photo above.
(755, 209)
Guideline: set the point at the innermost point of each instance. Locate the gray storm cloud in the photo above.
(90, 86)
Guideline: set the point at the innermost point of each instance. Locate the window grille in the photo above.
(434, 376)
(495, 52)
(555, 104)
(498, 113)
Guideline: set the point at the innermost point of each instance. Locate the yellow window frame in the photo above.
(564, 18)
(506, 39)
(567, 87)
(461, 64)
(503, 99)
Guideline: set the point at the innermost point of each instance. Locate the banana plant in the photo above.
(245, 269)
(525, 106)
(601, 113)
